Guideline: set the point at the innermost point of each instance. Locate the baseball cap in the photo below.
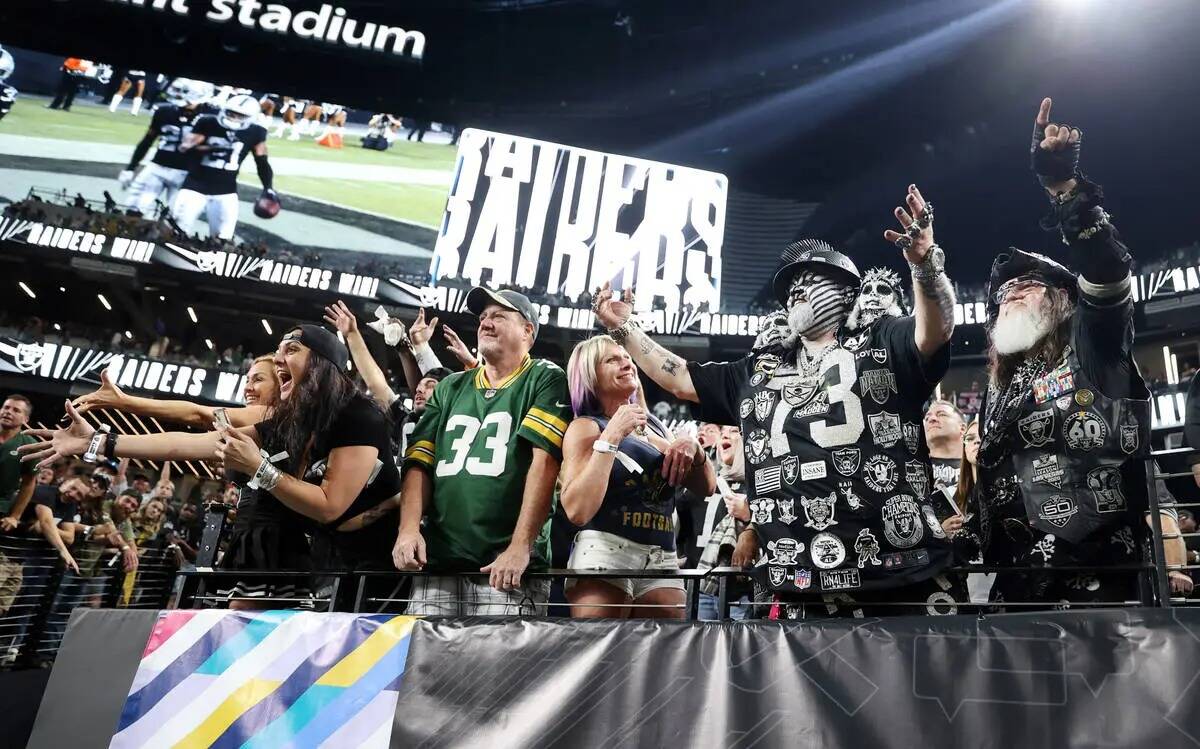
(322, 342)
(480, 297)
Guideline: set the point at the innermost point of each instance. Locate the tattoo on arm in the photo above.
(670, 365)
(941, 292)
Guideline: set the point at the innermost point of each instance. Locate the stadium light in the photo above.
(129, 335)
(27, 290)
(267, 327)
(192, 314)
(104, 301)
(1167, 365)
(208, 341)
(62, 289)
(162, 298)
(57, 326)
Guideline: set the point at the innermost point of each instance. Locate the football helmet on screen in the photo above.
(267, 205)
(185, 92)
(6, 64)
(238, 112)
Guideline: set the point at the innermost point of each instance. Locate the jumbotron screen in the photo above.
(360, 191)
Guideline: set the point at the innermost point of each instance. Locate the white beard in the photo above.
(800, 317)
(1017, 332)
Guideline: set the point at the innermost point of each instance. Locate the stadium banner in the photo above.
(564, 220)
(58, 361)
(1097, 678)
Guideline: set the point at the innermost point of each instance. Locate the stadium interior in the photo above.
(395, 182)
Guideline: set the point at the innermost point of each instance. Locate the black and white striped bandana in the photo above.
(830, 302)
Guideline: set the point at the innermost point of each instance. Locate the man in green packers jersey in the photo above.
(481, 466)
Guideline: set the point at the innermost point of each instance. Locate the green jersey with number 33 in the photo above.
(476, 441)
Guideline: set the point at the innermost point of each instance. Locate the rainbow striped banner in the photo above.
(266, 679)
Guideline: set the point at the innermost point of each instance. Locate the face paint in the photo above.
(817, 304)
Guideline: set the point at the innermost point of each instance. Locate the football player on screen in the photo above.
(170, 124)
(8, 94)
(837, 467)
(219, 144)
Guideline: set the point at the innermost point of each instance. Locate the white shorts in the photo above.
(597, 550)
(151, 182)
(220, 210)
(459, 596)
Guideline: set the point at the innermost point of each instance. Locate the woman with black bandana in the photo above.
(331, 438)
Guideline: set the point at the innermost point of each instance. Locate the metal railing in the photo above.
(38, 592)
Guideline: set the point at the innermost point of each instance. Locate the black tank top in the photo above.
(638, 506)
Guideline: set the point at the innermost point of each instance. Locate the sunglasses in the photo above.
(1017, 286)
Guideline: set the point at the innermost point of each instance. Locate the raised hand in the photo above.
(612, 311)
(420, 332)
(917, 225)
(341, 318)
(459, 349)
(237, 451)
(108, 395)
(1054, 152)
(59, 443)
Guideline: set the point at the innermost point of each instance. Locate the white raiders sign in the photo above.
(564, 220)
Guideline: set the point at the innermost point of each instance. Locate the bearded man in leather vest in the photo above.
(1066, 417)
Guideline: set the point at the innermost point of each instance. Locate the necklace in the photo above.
(810, 364)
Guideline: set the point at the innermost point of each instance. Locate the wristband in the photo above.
(622, 331)
(426, 359)
(93, 449)
(266, 477)
(110, 445)
(604, 446)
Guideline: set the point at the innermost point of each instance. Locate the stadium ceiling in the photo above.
(841, 104)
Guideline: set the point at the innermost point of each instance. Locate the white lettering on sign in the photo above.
(565, 220)
(970, 313)
(328, 24)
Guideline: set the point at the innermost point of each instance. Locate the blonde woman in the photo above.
(619, 474)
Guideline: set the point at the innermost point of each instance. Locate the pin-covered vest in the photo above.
(1070, 445)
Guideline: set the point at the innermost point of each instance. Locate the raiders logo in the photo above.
(1105, 483)
(757, 378)
(846, 460)
(827, 551)
(885, 428)
(776, 575)
(764, 401)
(1037, 429)
(902, 525)
(818, 405)
(756, 446)
(746, 408)
(917, 478)
(791, 468)
(28, 356)
(787, 511)
(1130, 441)
(798, 394)
(912, 437)
(853, 501)
(819, 511)
(1058, 510)
(784, 551)
(1063, 403)
(880, 474)
(877, 383)
(1084, 431)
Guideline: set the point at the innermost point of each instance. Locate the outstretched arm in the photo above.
(933, 296)
(109, 395)
(342, 319)
(665, 368)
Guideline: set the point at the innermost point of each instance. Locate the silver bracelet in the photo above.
(266, 477)
(931, 267)
(622, 331)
